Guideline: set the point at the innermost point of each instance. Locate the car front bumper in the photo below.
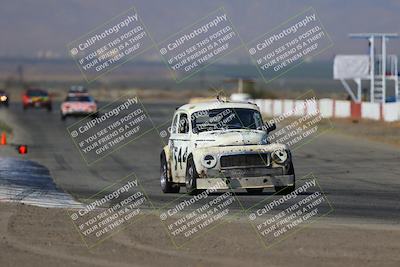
(37, 104)
(246, 182)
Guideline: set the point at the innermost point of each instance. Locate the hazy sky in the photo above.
(30, 27)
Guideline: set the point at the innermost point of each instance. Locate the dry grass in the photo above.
(386, 132)
(5, 127)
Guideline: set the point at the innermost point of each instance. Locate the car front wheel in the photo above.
(191, 177)
(284, 190)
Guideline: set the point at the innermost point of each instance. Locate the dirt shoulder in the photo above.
(32, 236)
(378, 131)
(386, 132)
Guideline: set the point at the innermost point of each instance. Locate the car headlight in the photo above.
(209, 161)
(279, 156)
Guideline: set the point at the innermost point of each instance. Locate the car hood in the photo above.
(230, 138)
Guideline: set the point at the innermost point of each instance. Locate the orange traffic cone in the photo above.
(3, 138)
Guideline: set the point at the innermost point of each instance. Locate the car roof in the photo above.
(36, 90)
(191, 108)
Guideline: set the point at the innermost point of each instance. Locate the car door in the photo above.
(180, 146)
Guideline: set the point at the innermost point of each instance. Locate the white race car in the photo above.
(222, 145)
(78, 105)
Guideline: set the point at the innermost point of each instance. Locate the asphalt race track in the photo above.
(360, 178)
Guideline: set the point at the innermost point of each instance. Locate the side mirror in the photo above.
(269, 127)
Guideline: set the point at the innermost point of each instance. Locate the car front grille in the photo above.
(245, 160)
(251, 172)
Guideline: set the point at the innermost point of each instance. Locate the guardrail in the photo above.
(331, 108)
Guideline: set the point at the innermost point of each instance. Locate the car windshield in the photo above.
(36, 93)
(226, 118)
(77, 88)
(79, 99)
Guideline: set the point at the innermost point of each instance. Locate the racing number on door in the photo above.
(179, 157)
(181, 150)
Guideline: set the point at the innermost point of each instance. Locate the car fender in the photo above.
(198, 155)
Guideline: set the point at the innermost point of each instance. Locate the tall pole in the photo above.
(359, 93)
(381, 64)
(383, 69)
(396, 80)
(240, 85)
(372, 67)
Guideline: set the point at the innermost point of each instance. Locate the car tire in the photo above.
(49, 108)
(191, 178)
(166, 185)
(284, 190)
(254, 191)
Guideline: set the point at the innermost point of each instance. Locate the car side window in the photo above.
(174, 123)
(183, 126)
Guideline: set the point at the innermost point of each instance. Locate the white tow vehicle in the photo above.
(223, 145)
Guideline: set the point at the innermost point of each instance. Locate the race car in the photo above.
(78, 105)
(223, 145)
(37, 98)
(4, 98)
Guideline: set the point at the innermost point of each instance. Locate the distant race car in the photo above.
(36, 98)
(224, 145)
(78, 105)
(4, 98)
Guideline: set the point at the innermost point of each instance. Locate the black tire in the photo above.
(254, 191)
(49, 108)
(166, 185)
(191, 178)
(284, 190)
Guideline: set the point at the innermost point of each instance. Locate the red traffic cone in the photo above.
(3, 138)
